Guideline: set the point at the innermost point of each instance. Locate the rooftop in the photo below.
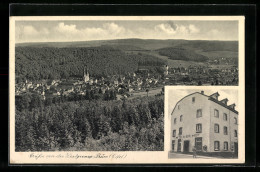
(214, 97)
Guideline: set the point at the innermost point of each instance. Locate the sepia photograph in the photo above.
(204, 124)
(97, 85)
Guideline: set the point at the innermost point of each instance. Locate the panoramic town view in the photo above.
(99, 85)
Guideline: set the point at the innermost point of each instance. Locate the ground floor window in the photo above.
(173, 144)
(179, 145)
(216, 145)
(225, 146)
(198, 143)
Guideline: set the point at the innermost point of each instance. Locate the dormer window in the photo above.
(215, 95)
(232, 106)
(224, 101)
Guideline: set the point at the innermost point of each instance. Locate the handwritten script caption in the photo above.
(38, 156)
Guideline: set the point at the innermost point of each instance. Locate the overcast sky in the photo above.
(60, 31)
(175, 95)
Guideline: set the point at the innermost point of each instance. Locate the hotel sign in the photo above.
(187, 136)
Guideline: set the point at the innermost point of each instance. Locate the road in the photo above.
(188, 156)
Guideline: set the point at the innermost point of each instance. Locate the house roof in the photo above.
(211, 99)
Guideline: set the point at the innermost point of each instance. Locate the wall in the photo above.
(189, 111)
(229, 123)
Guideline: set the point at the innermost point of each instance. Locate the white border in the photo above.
(241, 121)
(131, 157)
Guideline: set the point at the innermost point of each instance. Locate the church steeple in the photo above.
(85, 76)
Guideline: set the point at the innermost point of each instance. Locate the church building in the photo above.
(85, 76)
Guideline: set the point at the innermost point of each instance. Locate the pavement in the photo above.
(188, 156)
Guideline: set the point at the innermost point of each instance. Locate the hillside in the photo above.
(36, 63)
(145, 44)
(182, 54)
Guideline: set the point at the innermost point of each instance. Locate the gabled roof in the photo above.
(209, 98)
(214, 94)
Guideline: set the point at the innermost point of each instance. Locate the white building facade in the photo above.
(204, 122)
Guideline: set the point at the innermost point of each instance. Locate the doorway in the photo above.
(198, 143)
(179, 145)
(173, 145)
(236, 149)
(186, 146)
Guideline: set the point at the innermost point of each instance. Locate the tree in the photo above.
(87, 96)
(147, 91)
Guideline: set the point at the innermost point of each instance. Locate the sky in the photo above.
(175, 95)
(67, 31)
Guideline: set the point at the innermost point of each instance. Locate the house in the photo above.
(203, 121)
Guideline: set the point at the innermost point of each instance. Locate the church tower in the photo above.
(85, 76)
(166, 70)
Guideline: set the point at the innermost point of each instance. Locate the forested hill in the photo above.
(144, 44)
(34, 63)
(182, 54)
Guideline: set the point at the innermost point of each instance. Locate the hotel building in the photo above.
(205, 122)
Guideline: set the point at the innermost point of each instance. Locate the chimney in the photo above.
(232, 106)
(202, 92)
(224, 101)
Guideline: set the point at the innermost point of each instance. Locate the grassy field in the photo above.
(171, 63)
(229, 54)
(152, 92)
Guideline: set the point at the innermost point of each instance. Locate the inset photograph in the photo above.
(203, 123)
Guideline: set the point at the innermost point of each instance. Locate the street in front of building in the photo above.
(189, 156)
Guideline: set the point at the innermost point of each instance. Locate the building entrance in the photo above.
(198, 143)
(236, 149)
(186, 146)
(173, 145)
(179, 145)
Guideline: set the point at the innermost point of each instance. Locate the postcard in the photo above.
(127, 90)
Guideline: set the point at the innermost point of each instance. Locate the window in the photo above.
(235, 133)
(216, 145)
(181, 118)
(216, 113)
(198, 128)
(179, 107)
(224, 116)
(216, 128)
(199, 113)
(175, 120)
(193, 99)
(225, 131)
(180, 131)
(198, 143)
(179, 145)
(173, 133)
(235, 119)
(173, 145)
(225, 146)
